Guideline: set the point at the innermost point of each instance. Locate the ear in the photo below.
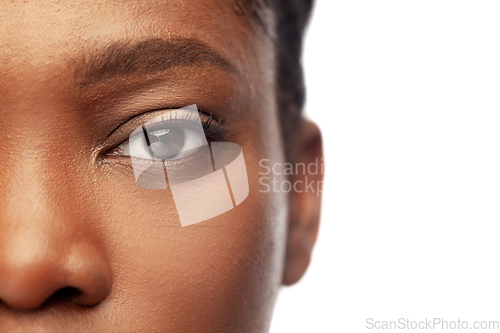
(305, 202)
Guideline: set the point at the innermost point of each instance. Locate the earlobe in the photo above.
(305, 203)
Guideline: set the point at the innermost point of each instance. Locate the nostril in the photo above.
(77, 277)
(64, 295)
(59, 271)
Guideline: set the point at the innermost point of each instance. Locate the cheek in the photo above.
(228, 267)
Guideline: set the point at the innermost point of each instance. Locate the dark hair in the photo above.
(290, 20)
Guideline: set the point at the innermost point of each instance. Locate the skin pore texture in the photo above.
(82, 247)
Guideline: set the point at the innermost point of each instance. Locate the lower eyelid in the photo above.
(126, 162)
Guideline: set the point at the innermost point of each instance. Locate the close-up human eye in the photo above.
(163, 143)
(172, 135)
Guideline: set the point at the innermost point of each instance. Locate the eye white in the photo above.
(193, 140)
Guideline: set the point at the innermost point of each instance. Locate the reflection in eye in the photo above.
(165, 143)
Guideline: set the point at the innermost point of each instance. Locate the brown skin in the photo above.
(82, 247)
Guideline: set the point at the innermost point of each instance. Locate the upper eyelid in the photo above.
(145, 117)
(188, 122)
(138, 120)
(122, 134)
(162, 123)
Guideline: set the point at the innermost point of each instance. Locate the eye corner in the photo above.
(213, 127)
(120, 149)
(115, 152)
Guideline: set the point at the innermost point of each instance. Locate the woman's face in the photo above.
(82, 246)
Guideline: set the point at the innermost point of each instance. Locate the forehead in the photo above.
(39, 34)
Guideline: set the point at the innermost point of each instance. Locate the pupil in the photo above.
(166, 143)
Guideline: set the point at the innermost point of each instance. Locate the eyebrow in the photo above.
(125, 58)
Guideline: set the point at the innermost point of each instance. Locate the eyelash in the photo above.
(212, 127)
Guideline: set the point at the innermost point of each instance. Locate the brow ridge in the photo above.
(150, 56)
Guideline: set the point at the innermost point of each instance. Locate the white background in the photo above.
(407, 94)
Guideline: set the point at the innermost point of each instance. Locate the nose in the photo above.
(52, 240)
(50, 251)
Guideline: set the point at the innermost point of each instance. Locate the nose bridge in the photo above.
(34, 197)
(36, 180)
(40, 173)
(36, 150)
